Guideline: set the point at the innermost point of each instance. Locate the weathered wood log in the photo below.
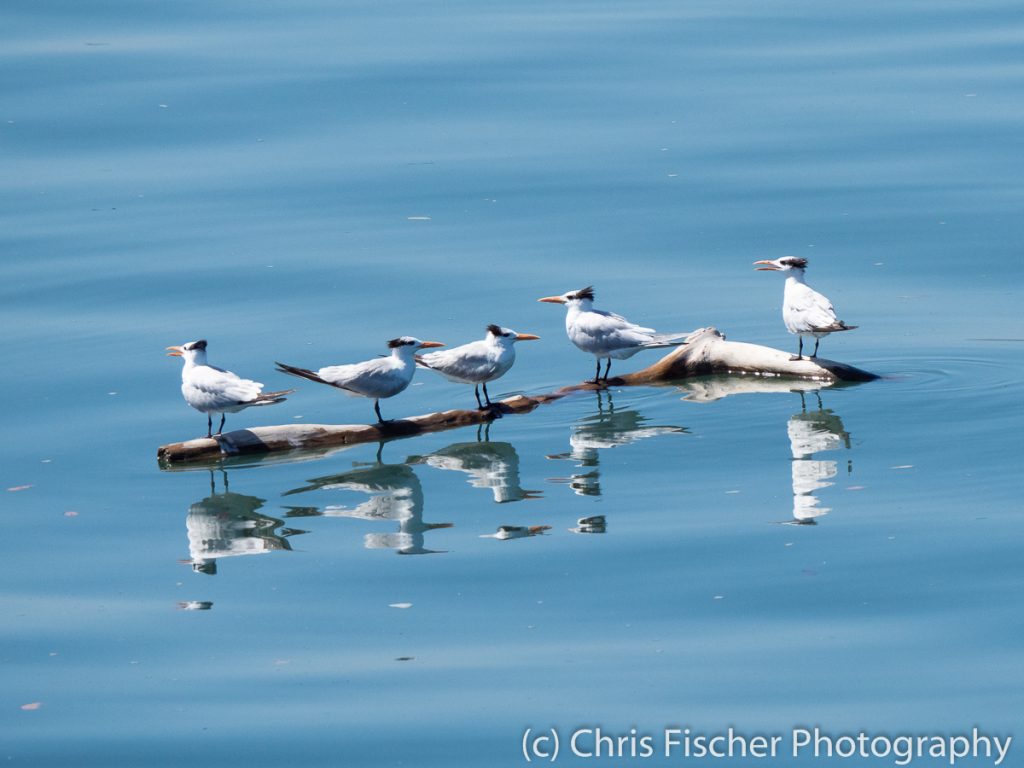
(290, 437)
(707, 352)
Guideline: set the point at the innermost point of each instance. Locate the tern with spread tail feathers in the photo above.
(212, 390)
(378, 378)
(605, 334)
(804, 311)
(478, 362)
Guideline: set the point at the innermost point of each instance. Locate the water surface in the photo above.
(301, 182)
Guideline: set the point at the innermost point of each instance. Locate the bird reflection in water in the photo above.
(608, 428)
(395, 495)
(227, 525)
(506, 532)
(810, 433)
(493, 465)
(592, 524)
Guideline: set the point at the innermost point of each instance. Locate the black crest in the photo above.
(586, 293)
(201, 344)
(399, 342)
(495, 330)
(794, 261)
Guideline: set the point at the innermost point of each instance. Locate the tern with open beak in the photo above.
(606, 335)
(212, 390)
(804, 311)
(478, 362)
(378, 378)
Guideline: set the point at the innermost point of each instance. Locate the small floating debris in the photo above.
(32, 707)
(418, 218)
(516, 531)
(903, 466)
(594, 524)
(404, 658)
(399, 605)
(16, 488)
(71, 513)
(195, 605)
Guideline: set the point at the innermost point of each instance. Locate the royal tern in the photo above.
(378, 378)
(804, 311)
(478, 362)
(605, 334)
(211, 390)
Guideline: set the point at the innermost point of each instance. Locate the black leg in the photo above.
(476, 391)
(800, 350)
(487, 396)
(607, 368)
(816, 342)
(221, 427)
(209, 425)
(376, 409)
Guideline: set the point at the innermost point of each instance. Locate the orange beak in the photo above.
(429, 344)
(526, 337)
(174, 351)
(770, 268)
(553, 300)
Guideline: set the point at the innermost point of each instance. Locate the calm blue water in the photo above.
(302, 181)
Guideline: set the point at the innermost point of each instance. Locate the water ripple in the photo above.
(950, 375)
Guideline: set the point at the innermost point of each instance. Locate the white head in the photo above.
(499, 335)
(784, 264)
(194, 352)
(407, 346)
(581, 299)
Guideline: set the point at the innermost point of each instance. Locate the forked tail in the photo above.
(269, 398)
(305, 373)
(302, 373)
(661, 340)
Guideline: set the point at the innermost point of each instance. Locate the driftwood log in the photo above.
(706, 353)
